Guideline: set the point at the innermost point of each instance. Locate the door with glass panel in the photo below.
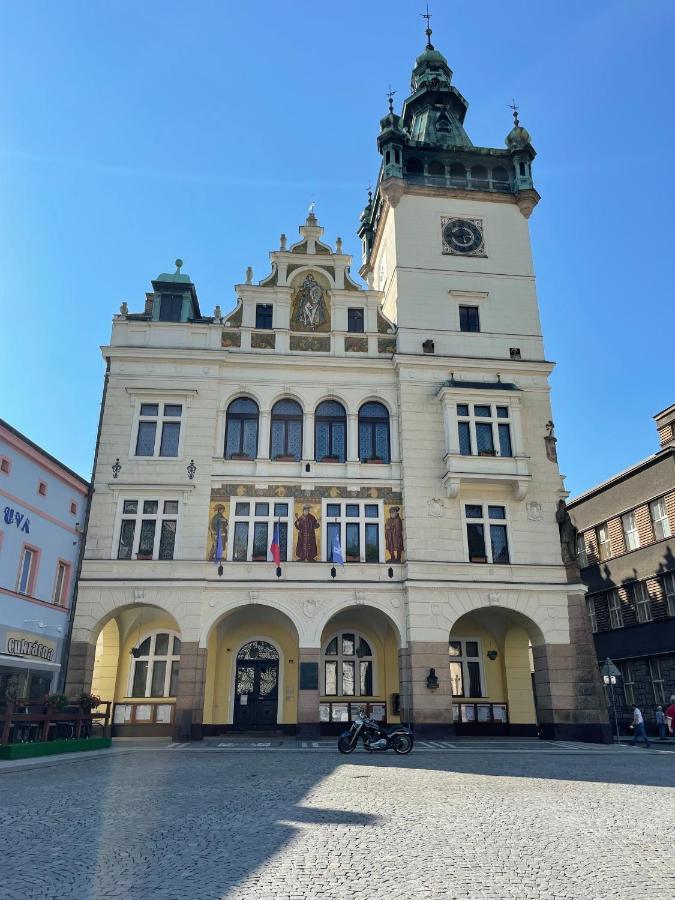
(256, 690)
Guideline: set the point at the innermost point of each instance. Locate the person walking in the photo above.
(639, 727)
(661, 722)
(670, 716)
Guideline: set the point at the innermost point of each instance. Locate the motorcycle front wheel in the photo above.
(345, 745)
(402, 743)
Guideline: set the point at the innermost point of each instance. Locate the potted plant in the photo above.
(329, 459)
(239, 456)
(285, 457)
(56, 702)
(88, 701)
(375, 460)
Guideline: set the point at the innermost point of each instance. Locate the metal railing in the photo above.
(28, 721)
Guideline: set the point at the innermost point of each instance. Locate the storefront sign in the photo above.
(22, 644)
(14, 517)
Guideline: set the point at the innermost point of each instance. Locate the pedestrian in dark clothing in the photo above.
(661, 722)
(639, 727)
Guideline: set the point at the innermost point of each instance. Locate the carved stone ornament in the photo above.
(568, 534)
(359, 597)
(493, 598)
(435, 508)
(550, 441)
(309, 607)
(534, 511)
(253, 596)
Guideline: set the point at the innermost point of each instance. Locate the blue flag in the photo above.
(337, 549)
(219, 546)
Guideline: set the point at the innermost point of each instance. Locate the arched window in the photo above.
(330, 432)
(348, 666)
(286, 436)
(500, 179)
(479, 176)
(154, 665)
(436, 168)
(374, 433)
(414, 167)
(241, 433)
(458, 174)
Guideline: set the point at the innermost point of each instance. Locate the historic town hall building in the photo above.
(391, 445)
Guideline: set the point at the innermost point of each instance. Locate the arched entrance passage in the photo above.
(251, 671)
(256, 685)
(358, 668)
(491, 672)
(136, 665)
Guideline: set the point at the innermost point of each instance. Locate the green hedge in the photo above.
(48, 748)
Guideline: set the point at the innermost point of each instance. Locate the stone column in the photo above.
(352, 437)
(431, 709)
(80, 670)
(308, 437)
(571, 704)
(308, 696)
(190, 692)
(264, 441)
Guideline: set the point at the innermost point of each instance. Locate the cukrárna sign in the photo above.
(19, 644)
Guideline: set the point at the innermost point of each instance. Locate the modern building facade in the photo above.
(339, 495)
(626, 551)
(44, 506)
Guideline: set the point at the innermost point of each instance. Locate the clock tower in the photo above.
(445, 240)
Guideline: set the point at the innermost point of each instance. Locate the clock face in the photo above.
(462, 236)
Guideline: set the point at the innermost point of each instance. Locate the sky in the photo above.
(133, 133)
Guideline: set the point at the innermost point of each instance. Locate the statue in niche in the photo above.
(306, 549)
(393, 534)
(568, 534)
(551, 440)
(310, 310)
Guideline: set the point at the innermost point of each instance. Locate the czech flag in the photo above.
(275, 546)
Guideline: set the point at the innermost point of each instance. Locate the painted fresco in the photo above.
(219, 511)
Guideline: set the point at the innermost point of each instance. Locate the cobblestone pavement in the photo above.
(208, 823)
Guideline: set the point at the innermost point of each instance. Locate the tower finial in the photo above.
(515, 112)
(427, 30)
(390, 99)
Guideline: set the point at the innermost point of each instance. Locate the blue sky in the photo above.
(132, 133)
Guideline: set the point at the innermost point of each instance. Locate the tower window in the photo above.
(436, 168)
(414, 167)
(263, 315)
(468, 318)
(355, 320)
(521, 166)
(479, 176)
(458, 174)
(170, 307)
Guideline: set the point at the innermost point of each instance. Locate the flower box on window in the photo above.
(259, 557)
(240, 456)
(353, 558)
(374, 460)
(144, 556)
(333, 459)
(486, 453)
(288, 457)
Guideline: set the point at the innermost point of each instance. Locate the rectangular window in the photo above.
(484, 430)
(615, 612)
(360, 531)
(582, 557)
(61, 583)
(593, 619)
(148, 529)
(643, 604)
(27, 571)
(158, 429)
(481, 520)
(468, 318)
(602, 538)
(355, 320)
(630, 531)
(263, 316)
(669, 587)
(657, 681)
(660, 519)
(466, 679)
(5, 465)
(251, 537)
(170, 307)
(42, 488)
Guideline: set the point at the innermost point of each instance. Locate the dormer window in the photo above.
(170, 307)
(263, 316)
(355, 320)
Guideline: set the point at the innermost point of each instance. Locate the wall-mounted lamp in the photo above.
(432, 680)
(390, 572)
(220, 570)
(333, 572)
(492, 654)
(278, 571)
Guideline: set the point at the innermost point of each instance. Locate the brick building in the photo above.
(401, 426)
(626, 552)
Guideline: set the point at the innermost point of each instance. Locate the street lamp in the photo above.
(610, 673)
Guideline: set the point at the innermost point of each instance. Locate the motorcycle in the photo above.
(375, 737)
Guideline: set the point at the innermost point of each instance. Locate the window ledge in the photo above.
(513, 470)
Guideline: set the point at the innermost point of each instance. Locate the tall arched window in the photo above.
(458, 174)
(348, 666)
(286, 437)
(241, 433)
(374, 433)
(436, 168)
(479, 176)
(154, 665)
(414, 167)
(330, 432)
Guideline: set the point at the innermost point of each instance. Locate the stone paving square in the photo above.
(204, 823)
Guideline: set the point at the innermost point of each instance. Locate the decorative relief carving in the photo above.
(253, 596)
(309, 607)
(435, 508)
(534, 511)
(493, 598)
(309, 309)
(359, 597)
